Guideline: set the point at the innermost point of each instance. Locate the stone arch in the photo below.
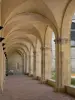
(65, 33)
(15, 49)
(21, 39)
(15, 59)
(63, 47)
(26, 56)
(27, 30)
(45, 11)
(18, 44)
(30, 18)
(19, 34)
(67, 18)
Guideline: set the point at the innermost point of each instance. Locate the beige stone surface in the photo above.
(28, 26)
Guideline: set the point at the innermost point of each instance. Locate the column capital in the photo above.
(45, 47)
(61, 40)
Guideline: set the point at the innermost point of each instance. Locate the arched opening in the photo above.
(15, 63)
(50, 63)
(73, 51)
(53, 69)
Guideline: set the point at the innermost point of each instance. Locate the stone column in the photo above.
(1, 68)
(42, 65)
(29, 65)
(6, 66)
(22, 64)
(38, 63)
(62, 64)
(48, 62)
(25, 64)
(34, 66)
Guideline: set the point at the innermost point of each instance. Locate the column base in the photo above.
(38, 78)
(30, 75)
(26, 73)
(34, 78)
(42, 81)
(62, 89)
(1, 91)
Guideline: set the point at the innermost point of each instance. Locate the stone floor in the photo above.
(24, 88)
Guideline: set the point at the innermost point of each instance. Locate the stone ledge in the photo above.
(70, 90)
(26, 73)
(37, 78)
(51, 82)
(30, 75)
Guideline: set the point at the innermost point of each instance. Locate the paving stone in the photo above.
(24, 88)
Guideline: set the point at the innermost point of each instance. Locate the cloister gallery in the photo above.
(35, 41)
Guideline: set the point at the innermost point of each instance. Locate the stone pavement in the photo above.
(24, 88)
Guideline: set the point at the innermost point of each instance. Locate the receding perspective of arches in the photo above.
(35, 49)
(15, 63)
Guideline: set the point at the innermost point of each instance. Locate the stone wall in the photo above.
(15, 63)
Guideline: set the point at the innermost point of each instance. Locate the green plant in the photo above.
(73, 81)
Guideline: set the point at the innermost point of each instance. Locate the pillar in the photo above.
(22, 64)
(42, 65)
(48, 62)
(38, 63)
(62, 64)
(25, 64)
(29, 65)
(34, 66)
(25, 69)
(32, 63)
(6, 66)
(4, 61)
(1, 67)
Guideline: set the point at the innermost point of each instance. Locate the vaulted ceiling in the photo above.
(26, 21)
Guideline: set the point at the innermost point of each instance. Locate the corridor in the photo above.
(37, 38)
(25, 88)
